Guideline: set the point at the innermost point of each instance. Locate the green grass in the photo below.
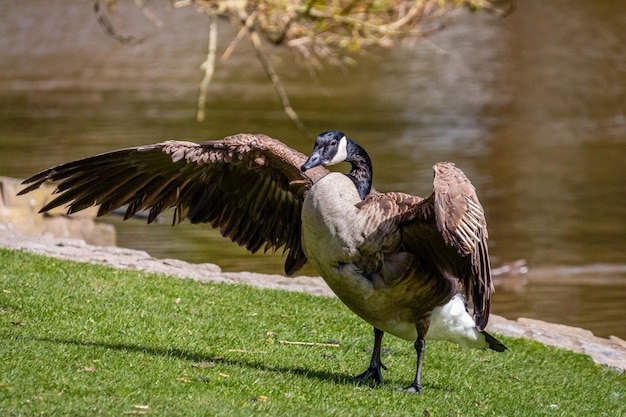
(79, 339)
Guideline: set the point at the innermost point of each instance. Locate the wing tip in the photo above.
(294, 263)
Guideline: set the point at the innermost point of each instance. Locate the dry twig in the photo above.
(286, 342)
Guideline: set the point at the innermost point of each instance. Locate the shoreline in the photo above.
(610, 352)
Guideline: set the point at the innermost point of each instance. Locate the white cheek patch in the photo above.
(342, 152)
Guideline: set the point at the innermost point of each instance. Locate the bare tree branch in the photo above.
(209, 68)
(330, 31)
(271, 72)
(108, 28)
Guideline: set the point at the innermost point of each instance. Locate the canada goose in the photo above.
(402, 263)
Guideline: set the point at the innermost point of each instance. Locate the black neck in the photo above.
(361, 172)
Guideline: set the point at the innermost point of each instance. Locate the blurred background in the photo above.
(530, 106)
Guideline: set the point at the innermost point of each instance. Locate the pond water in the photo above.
(531, 110)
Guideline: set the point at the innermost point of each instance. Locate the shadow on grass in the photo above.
(200, 357)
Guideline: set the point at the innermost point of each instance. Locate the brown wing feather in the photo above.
(453, 218)
(248, 186)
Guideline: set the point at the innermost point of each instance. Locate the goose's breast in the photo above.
(332, 228)
(334, 233)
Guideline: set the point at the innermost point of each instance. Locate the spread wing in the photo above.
(450, 231)
(250, 187)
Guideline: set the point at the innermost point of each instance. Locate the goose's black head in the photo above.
(330, 148)
(333, 147)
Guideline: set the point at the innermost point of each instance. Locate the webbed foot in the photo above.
(373, 373)
(413, 388)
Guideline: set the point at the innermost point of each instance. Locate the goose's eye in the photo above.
(333, 142)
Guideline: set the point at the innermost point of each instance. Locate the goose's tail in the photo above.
(494, 343)
(453, 323)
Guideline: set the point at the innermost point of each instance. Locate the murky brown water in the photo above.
(531, 110)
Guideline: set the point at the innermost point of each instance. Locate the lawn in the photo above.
(84, 340)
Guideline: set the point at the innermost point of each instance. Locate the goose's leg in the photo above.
(373, 372)
(416, 386)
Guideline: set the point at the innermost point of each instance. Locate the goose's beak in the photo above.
(314, 160)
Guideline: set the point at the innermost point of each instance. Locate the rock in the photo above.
(19, 214)
(609, 352)
(79, 250)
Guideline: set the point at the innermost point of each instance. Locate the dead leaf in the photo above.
(183, 379)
